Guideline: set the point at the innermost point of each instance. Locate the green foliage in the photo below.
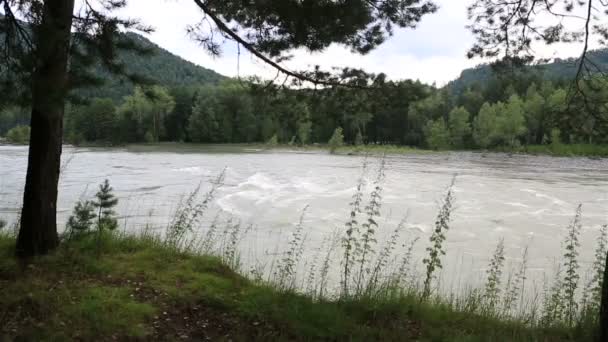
(304, 125)
(459, 127)
(13, 116)
(485, 126)
(158, 65)
(436, 250)
(142, 115)
(273, 141)
(321, 24)
(105, 201)
(82, 218)
(366, 245)
(511, 122)
(95, 122)
(336, 140)
(571, 268)
(108, 297)
(19, 135)
(556, 139)
(188, 214)
(437, 135)
(203, 125)
(286, 270)
(350, 241)
(492, 292)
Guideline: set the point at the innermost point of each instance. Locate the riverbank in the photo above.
(137, 288)
(561, 150)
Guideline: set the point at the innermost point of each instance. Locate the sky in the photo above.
(435, 52)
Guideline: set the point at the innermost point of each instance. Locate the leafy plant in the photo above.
(571, 267)
(19, 135)
(273, 141)
(350, 242)
(442, 225)
(286, 270)
(368, 236)
(515, 286)
(190, 211)
(336, 140)
(494, 273)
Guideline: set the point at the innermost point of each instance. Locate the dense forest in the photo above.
(482, 109)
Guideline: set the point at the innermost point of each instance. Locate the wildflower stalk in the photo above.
(442, 225)
(350, 241)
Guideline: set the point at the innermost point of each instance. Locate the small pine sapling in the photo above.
(82, 218)
(105, 203)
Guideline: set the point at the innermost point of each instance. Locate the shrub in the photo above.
(273, 141)
(189, 212)
(82, 217)
(571, 267)
(494, 272)
(442, 224)
(19, 135)
(105, 202)
(336, 140)
(286, 270)
(102, 209)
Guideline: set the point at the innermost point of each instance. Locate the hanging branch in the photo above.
(234, 36)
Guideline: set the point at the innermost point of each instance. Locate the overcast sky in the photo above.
(434, 52)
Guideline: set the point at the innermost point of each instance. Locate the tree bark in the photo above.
(604, 306)
(38, 230)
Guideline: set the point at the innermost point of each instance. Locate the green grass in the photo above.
(562, 150)
(135, 288)
(567, 150)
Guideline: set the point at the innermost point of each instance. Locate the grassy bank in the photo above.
(564, 150)
(561, 150)
(255, 147)
(138, 288)
(191, 283)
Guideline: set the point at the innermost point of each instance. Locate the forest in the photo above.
(487, 107)
(506, 111)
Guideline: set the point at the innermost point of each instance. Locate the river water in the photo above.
(527, 200)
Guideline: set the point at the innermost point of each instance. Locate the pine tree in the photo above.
(82, 217)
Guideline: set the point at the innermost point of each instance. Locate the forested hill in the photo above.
(161, 66)
(559, 69)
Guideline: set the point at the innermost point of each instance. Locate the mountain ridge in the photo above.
(558, 69)
(160, 66)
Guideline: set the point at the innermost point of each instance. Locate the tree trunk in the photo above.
(604, 306)
(38, 231)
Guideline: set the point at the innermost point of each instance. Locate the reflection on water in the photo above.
(525, 199)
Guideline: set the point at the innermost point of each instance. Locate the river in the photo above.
(527, 200)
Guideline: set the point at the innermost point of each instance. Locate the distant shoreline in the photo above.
(562, 150)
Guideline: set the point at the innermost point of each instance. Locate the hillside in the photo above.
(161, 66)
(559, 69)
